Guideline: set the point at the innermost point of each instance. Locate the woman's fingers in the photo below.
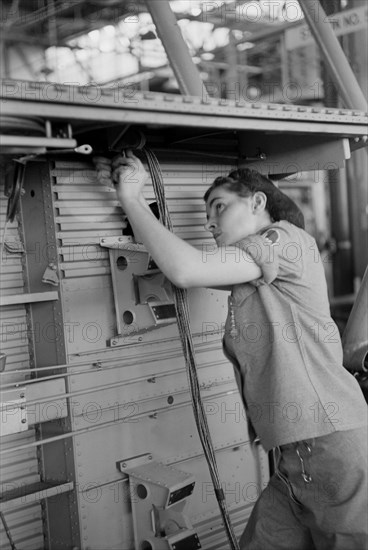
(121, 160)
(124, 170)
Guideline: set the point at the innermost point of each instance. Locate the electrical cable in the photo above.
(182, 314)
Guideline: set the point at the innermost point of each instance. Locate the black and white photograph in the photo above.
(183, 274)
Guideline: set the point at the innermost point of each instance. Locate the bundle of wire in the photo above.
(182, 313)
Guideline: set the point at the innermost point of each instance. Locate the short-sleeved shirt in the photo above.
(284, 345)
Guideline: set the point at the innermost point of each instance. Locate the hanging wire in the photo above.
(182, 314)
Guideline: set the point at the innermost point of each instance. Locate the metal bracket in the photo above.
(142, 296)
(127, 464)
(159, 496)
(13, 412)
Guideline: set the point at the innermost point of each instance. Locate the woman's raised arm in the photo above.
(184, 265)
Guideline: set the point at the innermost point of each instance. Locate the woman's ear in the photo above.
(259, 201)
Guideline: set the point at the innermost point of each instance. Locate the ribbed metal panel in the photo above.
(139, 401)
(21, 469)
(24, 524)
(11, 263)
(87, 210)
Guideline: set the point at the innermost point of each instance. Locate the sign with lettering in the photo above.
(342, 23)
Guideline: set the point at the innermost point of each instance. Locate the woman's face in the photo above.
(231, 218)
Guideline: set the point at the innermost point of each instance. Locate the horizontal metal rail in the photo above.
(151, 414)
(123, 106)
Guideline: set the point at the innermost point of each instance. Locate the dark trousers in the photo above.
(317, 498)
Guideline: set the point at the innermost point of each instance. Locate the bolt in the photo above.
(24, 420)
(123, 464)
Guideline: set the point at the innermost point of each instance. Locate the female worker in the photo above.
(300, 400)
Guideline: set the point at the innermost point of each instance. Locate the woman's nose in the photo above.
(210, 225)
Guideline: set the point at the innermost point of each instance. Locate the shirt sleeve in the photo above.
(277, 251)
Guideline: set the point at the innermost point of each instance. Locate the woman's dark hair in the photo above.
(245, 182)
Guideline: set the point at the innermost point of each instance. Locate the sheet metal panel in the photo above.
(135, 399)
(17, 471)
(169, 433)
(109, 504)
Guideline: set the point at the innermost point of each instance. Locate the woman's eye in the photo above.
(219, 206)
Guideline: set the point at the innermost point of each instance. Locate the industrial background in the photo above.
(99, 444)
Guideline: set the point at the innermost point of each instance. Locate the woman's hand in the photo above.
(129, 175)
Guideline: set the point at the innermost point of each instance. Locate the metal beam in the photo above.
(35, 17)
(355, 337)
(212, 116)
(186, 72)
(333, 54)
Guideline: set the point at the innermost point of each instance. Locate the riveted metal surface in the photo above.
(87, 96)
(143, 428)
(318, 124)
(25, 525)
(85, 264)
(106, 515)
(137, 403)
(137, 400)
(61, 530)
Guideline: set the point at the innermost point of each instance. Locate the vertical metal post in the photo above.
(186, 72)
(334, 56)
(232, 83)
(355, 337)
(355, 340)
(56, 459)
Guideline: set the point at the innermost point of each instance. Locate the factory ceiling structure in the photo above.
(116, 41)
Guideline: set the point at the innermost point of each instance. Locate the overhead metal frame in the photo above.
(185, 70)
(126, 105)
(333, 54)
